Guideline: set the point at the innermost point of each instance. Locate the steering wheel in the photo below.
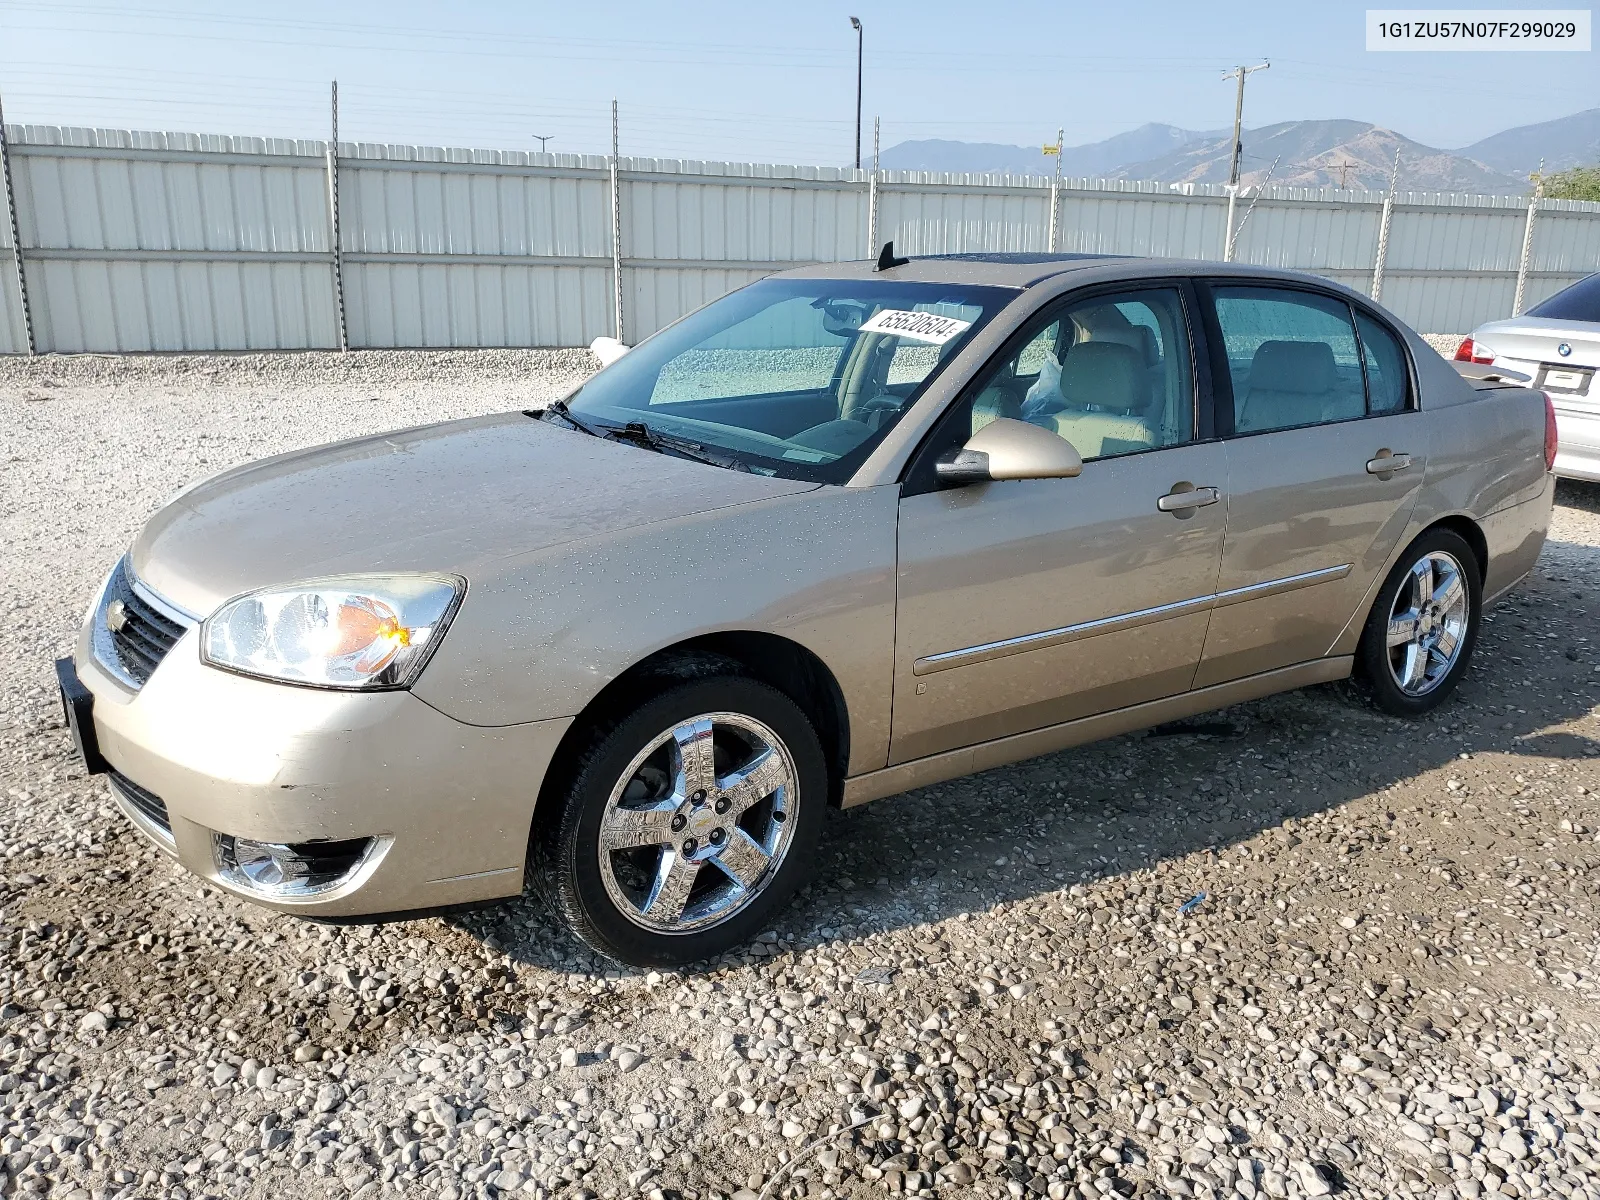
(872, 413)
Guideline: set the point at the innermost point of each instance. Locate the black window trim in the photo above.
(1222, 389)
(917, 477)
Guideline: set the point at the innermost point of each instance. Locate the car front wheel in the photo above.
(1423, 626)
(687, 823)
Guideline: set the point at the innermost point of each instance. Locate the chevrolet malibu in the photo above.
(847, 531)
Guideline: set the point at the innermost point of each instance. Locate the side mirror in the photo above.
(1009, 449)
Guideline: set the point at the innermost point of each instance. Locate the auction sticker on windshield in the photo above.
(919, 326)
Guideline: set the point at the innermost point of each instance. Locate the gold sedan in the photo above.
(847, 531)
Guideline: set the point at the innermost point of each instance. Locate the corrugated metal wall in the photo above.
(149, 241)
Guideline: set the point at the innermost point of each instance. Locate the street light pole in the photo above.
(855, 23)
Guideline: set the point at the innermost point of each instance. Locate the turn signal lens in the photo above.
(1474, 352)
(341, 633)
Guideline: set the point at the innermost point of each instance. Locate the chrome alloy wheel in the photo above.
(1428, 623)
(699, 823)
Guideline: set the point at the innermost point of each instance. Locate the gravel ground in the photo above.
(1295, 949)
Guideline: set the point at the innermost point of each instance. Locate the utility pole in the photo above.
(542, 138)
(1241, 74)
(1343, 167)
(855, 23)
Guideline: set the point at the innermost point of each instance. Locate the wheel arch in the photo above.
(1468, 531)
(780, 662)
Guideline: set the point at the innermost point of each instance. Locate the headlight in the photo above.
(351, 632)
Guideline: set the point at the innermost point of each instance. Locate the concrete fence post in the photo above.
(1383, 247)
(616, 236)
(1527, 254)
(872, 197)
(1227, 243)
(334, 246)
(16, 235)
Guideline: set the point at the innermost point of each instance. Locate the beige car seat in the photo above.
(1106, 387)
(1292, 384)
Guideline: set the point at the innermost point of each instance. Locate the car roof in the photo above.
(1023, 270)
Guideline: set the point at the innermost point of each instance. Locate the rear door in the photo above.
(1325, 450)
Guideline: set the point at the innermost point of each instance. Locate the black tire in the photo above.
(1374, 674)
(567, 840)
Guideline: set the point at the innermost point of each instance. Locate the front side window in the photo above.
(793, 377)
(1111, 375)
(1292, 358)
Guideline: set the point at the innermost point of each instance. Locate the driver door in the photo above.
(1025, 604)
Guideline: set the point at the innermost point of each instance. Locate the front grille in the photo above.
(139, 635)
(146, 803)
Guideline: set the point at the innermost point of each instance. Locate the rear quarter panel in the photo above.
(1486, 464)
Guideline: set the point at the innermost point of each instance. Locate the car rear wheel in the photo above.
(686, 823)
(1423, 626)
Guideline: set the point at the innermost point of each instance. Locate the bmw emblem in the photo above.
(1565, 349)
(116, 616)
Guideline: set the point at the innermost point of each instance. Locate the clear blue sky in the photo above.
(745, 81)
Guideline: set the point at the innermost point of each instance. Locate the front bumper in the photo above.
(448, 806)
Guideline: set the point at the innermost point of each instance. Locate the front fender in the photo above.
(539, 635)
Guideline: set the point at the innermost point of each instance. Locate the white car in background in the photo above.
(1556, 344)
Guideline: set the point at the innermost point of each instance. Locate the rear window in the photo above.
(1580, 302)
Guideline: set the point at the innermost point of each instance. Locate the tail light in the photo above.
(1470, 352)
(1549, 433)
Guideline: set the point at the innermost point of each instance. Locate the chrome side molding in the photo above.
(968, 655)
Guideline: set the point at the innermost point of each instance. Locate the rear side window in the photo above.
(1580, 302)
(1293, 359)
(1388, 380)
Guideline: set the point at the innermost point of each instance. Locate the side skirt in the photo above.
(952, 764)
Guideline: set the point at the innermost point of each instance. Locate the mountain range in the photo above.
(1351, 154)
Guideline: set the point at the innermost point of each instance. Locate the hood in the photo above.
(1535, 339)
(457, 497)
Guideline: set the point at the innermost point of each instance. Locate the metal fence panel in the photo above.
(438, 304)
(175, 241)
(926, 220)
(720, 219)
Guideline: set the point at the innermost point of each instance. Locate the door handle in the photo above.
(1386, 463)
(1188, 500)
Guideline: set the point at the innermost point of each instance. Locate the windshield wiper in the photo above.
(640, 434)
(561, 410)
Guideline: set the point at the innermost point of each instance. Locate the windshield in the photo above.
(791, 377)
(1580, 302)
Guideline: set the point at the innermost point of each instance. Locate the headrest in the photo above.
(1107, 375)
(1302, 367)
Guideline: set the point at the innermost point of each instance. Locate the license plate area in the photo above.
(77, 709)
(1569, 381)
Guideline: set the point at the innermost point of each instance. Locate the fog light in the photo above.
(289, 869)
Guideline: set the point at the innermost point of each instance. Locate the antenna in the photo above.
(888, 260)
